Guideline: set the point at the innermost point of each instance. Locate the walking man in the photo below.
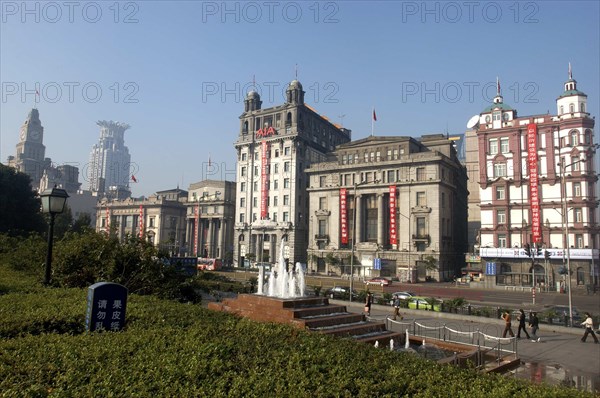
(368, 302)
(507, 325)
(397, 308)
(589, 328)
(521, 319)
(534, 323)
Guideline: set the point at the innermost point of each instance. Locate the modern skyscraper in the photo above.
(109, 168)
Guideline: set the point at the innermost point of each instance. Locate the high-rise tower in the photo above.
(31, 151)
(110, 162)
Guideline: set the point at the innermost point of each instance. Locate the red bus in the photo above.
(209, 264)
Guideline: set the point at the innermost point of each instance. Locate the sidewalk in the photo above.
(559, 346)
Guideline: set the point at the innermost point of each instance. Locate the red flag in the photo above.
(374, 115)
(133, 178)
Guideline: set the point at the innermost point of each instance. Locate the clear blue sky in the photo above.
(163, 68)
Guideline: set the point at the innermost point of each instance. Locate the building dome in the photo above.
(252, 95)
(295, 84)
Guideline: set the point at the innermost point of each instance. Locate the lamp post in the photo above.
(353, 239)
(53, 202)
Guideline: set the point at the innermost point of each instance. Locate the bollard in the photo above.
(469, 309)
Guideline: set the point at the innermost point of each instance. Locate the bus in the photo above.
(209, 264)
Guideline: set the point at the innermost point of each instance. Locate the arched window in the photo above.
(574, 134)
(571, 108)
(588, 137)
(242, 238)
(288, 119)
(562, 109)
(245, 127)
(582, 107)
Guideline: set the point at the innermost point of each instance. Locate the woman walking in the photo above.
(589, 328)
(368, 302)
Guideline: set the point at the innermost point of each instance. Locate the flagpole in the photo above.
(372, 121)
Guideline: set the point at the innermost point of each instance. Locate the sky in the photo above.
(178, 71)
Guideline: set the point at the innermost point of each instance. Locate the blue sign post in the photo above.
(377, 264)
(106, 305)
(490, 268)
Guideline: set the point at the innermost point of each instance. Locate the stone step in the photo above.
(355, 329)
(331, 320)
(330, 309)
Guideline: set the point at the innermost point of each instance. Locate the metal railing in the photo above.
(501, 346)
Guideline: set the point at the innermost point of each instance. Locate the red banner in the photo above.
(344, 215)
(393, 226)
(141, 233)
(107, 219)
(264, 211)
(197, 226)
(534, 198)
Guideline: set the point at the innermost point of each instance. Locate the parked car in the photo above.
(423, 304)
(379, 281)
(340, 292)
(559, 312)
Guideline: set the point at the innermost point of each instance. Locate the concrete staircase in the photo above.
(312, 313)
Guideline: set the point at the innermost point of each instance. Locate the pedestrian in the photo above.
(534, 323)
(589, 328)
(397, 308)
(368, 302)
(507, 325)
(521, 319)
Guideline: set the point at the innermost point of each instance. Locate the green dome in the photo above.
(499, 105)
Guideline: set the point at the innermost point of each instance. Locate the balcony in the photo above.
(322, 238)
(421, 238)
(240, 225)
(322, 213)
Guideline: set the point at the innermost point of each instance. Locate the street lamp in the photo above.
(53, 202)
(565, 222)
(353, 239)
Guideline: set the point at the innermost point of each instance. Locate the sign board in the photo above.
(555, 254)
(534, 192)
(393, 226)
(377, 263)
(344, 216)
(490, 268)
(106, 305)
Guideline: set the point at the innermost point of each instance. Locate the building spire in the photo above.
(570, 72)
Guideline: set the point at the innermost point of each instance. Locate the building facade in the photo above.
(396, 203)
(210, 215)
(161, 219)
(537, 181)
(31, 151)
(274, 147)
(109, 170)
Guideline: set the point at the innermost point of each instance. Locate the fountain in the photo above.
(282, 283)
(391, 344)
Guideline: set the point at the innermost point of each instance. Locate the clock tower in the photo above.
(31, 151)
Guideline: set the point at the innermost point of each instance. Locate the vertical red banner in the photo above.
(534, 198)
(393, 226)
(107, 219)
(197, 226)
(264, 211)
(141, 232)
(344, 215)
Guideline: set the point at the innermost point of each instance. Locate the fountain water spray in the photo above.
(391, 344)
(282, 283)
(407, 343)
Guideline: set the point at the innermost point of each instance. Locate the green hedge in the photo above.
(174, 349)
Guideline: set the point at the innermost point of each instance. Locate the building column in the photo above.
(380, 222)
(358, 218)
(209, 238)
(220, 241)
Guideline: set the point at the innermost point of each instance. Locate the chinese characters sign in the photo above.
(106, 306)
(532, 163)
(393, 226)
(264, 180)
(141, 234)
(344, 215)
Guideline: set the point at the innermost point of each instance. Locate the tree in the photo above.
(20, 212)
(82, 224)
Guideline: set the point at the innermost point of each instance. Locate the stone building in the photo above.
(538, 187)
(410, 199)
(210, 215)
(274, 147)
(161, 218)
